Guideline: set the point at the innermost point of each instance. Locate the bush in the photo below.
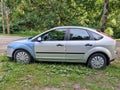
(29, 33)
(109, 31)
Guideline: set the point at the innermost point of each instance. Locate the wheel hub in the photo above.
(97, 62)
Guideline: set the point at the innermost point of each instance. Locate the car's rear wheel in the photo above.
(22, 56)
(97, 61)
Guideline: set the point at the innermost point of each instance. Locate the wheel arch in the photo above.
(107, 57)
(24, 50)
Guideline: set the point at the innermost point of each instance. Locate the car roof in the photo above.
(79, 27)
(74, 27)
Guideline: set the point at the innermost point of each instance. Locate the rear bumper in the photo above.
(114, 56)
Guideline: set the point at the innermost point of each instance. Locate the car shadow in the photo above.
(62, 63)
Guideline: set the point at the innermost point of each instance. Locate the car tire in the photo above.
(22, 57)
(97, 61)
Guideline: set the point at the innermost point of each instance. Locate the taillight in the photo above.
(105, 34)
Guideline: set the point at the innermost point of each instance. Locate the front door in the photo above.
(52, 46)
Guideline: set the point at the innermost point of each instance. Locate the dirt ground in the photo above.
(5, 40)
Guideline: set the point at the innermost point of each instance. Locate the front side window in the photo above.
(79, 34)
(54, 35)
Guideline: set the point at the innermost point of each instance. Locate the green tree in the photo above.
(39, 15)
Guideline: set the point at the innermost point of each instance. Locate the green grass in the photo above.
(14, 76)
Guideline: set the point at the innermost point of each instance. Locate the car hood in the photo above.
(20, 41)
(25, 38)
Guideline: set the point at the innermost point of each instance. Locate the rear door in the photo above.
(78, 45)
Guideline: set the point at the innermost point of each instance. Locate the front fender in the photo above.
(29, 48)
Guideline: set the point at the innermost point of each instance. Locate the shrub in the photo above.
(109, 31)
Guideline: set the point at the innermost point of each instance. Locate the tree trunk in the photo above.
(105, 13)
(2, 10)
(7, 20)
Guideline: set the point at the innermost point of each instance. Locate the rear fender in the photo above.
(96, 50)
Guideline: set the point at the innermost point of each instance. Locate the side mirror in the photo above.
(39, 39)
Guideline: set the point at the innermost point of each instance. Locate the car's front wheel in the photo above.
(97, 61)
(22, 56)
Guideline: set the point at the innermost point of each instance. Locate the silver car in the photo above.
(66, 44)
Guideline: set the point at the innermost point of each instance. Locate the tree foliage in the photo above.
(39, 15)
(109, 31)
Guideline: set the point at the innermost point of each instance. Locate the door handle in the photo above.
(59, 45)
(88, 44)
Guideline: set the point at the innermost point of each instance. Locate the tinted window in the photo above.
(54, 35)
(97, 36)
(79, 34)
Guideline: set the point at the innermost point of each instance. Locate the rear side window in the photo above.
(96, 36)
(79, 34)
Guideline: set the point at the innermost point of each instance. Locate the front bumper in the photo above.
(10, 52)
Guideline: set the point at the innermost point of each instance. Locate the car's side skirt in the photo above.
(60, 56)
